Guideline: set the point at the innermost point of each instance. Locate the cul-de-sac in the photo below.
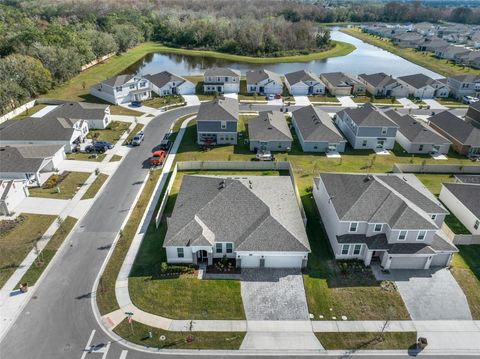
(239, 179)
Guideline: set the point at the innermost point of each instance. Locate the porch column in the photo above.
(194, 258)
(428, 262)
(388, 262)
(368, 258)
(210, 258)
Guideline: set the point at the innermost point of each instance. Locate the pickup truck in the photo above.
(157, 159)
(264, 156)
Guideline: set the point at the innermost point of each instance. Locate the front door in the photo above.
(219, 88)
(202, 256)
(435, 149)
(380, 143)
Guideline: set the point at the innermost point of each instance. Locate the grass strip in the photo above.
(95, 186)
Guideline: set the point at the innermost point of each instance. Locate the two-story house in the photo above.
(421, 86)
(304, 83)
(221, 80)
(217, 122)
(390, 219)
(264, 82)
(464, 85)
(367, 127)
(122, 89)
(165, 84)
(382, 85)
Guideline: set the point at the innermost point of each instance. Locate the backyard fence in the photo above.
(96, 61)
(460, 239)
(17, 111)
(434, 168)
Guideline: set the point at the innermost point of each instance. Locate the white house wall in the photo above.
(463, 214)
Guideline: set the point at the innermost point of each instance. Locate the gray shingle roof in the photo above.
(31, 129)
(468, 178)
(27, 158)
(418, 80)
(468, 194)
(369, 116)
(255, 76)
(378, 79)
(316, 125)
(222, 109)
(79, 110)
(466, 78)
(463, 131)
(269, 126)
(117, 80)
(162, 78)
(339, 79)
(473, 111)
(222, 71)
(301, 76)
(379, 199)
(415, 131)
(243, 211)
(375, 242)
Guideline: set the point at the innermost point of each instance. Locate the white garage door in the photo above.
(250, 261)
(408, 262)
(283, 262)
(440, 260)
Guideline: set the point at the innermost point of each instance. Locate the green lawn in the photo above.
(425, 59)
(68, 187)
(112, 133)
(29, 112)
(138, 127)
(116, 158)
(323, 98)
(121, 111)
(368, 99)
(47, 254)
(451, 102)
(178, 340)
(18, 238)
(466, 270)
(455, 225)
(433, 181)
(367, 341)
(95, 186)
(83, 156)
(157, 101)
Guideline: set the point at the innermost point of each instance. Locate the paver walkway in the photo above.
(346, 101)
(407, 103)
(432, 294)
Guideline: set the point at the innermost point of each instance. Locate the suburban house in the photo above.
(389, 219)
(269, 132)
(382, 85)
(471, 59)
(122, 89)
(255, 220)
(264, 82)
(165, 83)
(464, 85)
(367, 127)
(12, 192)
(464, 134)
(473, 112)
(60, 131)
(304, 83)
(340, 84)
(94, 114)
(408, 39)
(421, 86)
(316, 131)
(221, 80)
(463, 200)
(33, 163)
(217, 122)
(450, 52)
(431, 44)
(415, 137)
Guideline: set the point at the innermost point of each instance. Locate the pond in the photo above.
(365, 59)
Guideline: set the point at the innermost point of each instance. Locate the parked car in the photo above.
(165, 145)
(469, 99)
(157, 158)
(96, 147)
(137, 140)
(264, 156)
(271, 97)
(107, 144)
(136, 104)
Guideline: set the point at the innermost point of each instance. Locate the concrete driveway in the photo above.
(432, 294)
(435, 105)
(407, 103)
(346, 101)
(273, 294)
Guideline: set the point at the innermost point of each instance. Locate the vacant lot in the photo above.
(66, 189)
(18, 238)
(112, 133)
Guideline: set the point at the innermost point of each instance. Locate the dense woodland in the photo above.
(44, 43)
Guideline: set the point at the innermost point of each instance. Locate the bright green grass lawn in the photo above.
(68, 187)
(112, 133)
(367, 341)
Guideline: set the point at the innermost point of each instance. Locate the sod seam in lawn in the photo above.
(367, 341)
(95, 186)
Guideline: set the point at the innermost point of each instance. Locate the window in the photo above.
(378, 227)
(356, 249)
(345, 249)
(420, 148)
(421, 235)
(477, 224)
(402, 235)
(180, 253)
(353, 227)
(218, 248)
(132, 87)
(224, 125)
(384, 130)
(364, 143)
(229, 247)
(119, 88)
(434, 217)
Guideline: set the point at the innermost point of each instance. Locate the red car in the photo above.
(157, 158)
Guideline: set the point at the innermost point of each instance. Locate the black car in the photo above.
(97, 147)
(136, 104)
(165, 145)
(109, 145)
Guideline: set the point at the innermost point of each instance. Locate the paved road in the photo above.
(58, 322)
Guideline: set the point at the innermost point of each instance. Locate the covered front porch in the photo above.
(202, 255)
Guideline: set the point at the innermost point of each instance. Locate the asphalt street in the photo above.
(58, 322)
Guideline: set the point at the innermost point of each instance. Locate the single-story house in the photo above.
(383, 85)
(340, 84)
(408, 39)
(12, 192)
(473, 112)
(450, 52)
(264, 82)
(217, 122)
(255, 220)
(431, 44)
(165, 83)
(463, 200)
(421, 86)
(464, 85)
(367, 127)
(60, 131)
(304, 83)
(316, 131)
(95, 114)
(33, 163)
(389, 219)
(221, 80)
(269, 132)
(415, 137)
(464, 134)
(122, 89)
